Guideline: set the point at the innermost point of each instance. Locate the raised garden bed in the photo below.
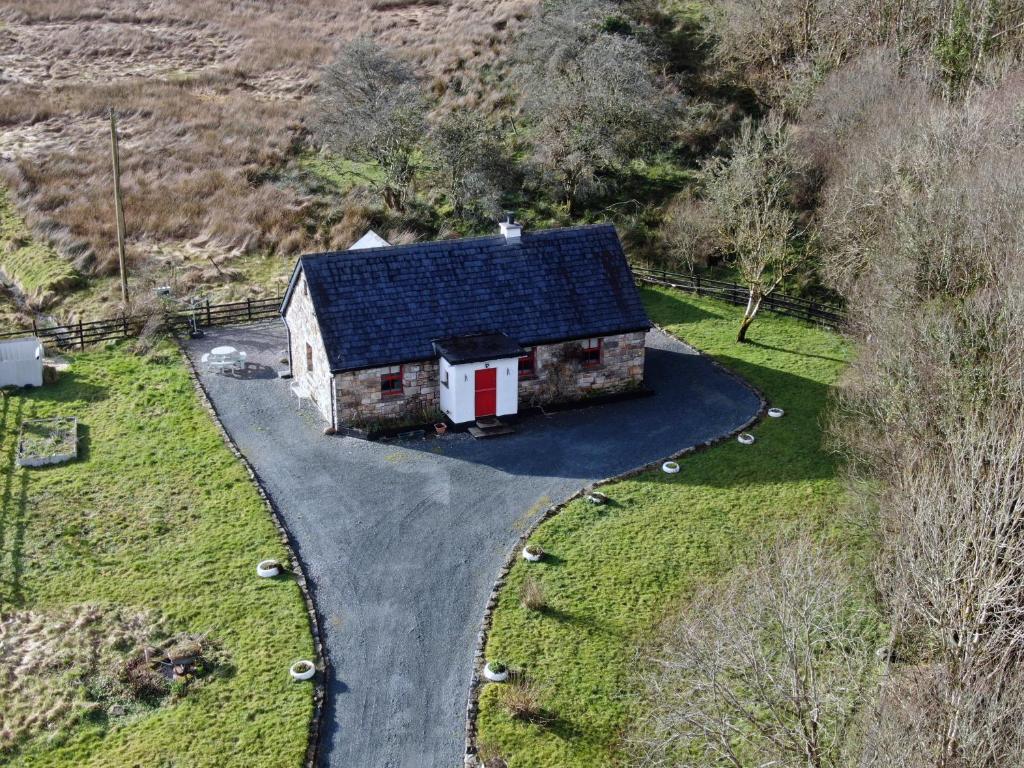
(47, 441)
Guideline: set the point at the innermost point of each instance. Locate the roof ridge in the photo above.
(527, 234)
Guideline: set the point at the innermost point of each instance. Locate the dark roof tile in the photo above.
(383, 306)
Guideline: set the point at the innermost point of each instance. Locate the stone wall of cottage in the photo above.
(303, 329)
(560, 377)
(360, 402)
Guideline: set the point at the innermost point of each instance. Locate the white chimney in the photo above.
(510, 229)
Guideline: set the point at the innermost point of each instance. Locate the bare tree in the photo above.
(590, 94)
(765, 669)
(748, 196)
(371, 107)
(931, 415)
(469, 164)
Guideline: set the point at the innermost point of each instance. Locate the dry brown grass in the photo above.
(57, 667)
(212, 97)
(531, 595)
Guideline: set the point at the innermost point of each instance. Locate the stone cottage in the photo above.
(471, 328)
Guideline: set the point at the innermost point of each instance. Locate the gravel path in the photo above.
(402, 540)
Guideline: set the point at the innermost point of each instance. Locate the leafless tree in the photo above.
(931, 415)
(371, 107)
(783, 46)
(765, 669)
(469, 164)
(747, 193)
(590, 94)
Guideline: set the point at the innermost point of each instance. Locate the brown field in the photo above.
(212, 97)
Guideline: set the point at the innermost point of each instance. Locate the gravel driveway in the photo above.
(402, 540)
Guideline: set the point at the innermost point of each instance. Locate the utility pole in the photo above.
(118, 209)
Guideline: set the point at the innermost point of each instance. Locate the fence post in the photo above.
(810, 311)
(209, 322)
(124, 325)
(248, 307)
(696, 283)
(81, 335)
(35, 331)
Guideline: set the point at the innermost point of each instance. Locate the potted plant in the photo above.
(440, 428)
(496, 671)
(302, 670)
(596, 497)
(532, 552)
(776, 413)
(746, 438)
(670, 467)
(268, 569)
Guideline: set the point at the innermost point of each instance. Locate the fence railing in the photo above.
(83, 333)
(806, 309)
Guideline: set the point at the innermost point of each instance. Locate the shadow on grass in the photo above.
(71, 387)
(670, 308)
(760, 345)
(13, 509)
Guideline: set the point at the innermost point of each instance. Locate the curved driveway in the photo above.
(401, 541)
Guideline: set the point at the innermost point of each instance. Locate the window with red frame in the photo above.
(391, 381)
(528, 364)
(591, 353)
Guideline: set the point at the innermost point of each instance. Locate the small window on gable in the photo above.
(528, 364)
(391, 381)
(309, 357)
(591, 353)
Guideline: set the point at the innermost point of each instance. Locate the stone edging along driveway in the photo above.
(400, 541)
(477, 681)
(295, 565)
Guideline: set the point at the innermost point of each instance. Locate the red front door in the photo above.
(486, 392)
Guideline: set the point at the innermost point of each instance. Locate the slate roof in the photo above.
(474, 349)
(385, 306)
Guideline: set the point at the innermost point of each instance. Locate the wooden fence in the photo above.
(81, 334)
(806, 309)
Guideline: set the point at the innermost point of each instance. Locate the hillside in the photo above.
(211, 98)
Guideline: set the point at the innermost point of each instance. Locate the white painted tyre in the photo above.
(533, 557)
(268, 569)
(671, 467)
(495, 677)
(776, 413)
(746, 438)
(302, 670)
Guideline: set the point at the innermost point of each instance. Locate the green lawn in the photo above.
(156, 519)
(613, 572)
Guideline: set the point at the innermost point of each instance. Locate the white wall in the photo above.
(21, 363)
(458, 399)
(303, 328)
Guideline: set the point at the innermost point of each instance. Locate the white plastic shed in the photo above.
(21, 362)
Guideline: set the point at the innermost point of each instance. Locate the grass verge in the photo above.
(155, 518)
(613, 572)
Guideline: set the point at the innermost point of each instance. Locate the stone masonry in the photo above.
(313, 381)
(360, 401)
(560, 376)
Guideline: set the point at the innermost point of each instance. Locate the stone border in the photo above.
(477, 682)
(320, 659)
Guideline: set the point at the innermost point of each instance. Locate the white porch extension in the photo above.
(479, 377)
